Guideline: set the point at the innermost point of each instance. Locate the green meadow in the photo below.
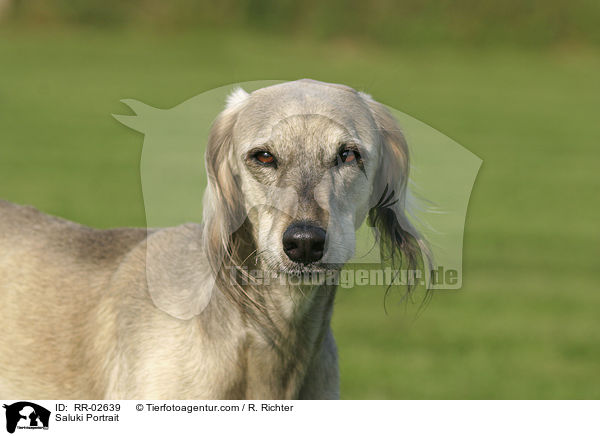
(526, 323)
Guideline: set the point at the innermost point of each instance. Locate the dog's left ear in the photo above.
(399, 240)
(223, 203)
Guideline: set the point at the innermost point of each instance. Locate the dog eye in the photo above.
(347, 155)
(264, 157)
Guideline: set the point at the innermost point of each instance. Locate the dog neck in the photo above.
(283, 335)
(278, 359)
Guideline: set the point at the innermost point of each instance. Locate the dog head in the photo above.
(294, 169)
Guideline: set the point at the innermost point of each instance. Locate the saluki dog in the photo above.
(293, 170)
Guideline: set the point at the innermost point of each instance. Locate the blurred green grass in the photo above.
(531, 23)
(526, 323)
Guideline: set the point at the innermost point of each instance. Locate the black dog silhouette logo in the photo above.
(26, 415)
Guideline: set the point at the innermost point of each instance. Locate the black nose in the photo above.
(304, 243)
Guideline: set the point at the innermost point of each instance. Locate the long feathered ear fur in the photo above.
(224, 211)
(223, 207)
(400, 242)
(222, 200)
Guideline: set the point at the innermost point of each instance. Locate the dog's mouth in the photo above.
(314, 268)
(280, 265)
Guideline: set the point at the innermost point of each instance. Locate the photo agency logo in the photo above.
(352, 194)
(346, 278)
(24, 415)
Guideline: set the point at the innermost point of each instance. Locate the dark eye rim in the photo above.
(254, 154)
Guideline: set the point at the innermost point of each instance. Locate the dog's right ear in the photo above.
(223, 206)
(400, 242)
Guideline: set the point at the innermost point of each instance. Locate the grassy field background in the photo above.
(526, 323)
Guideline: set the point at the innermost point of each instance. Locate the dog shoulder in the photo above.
(178, 277)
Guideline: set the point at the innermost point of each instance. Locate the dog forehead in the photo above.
(305, 104)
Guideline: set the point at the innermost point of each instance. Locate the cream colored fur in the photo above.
(77, 315)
